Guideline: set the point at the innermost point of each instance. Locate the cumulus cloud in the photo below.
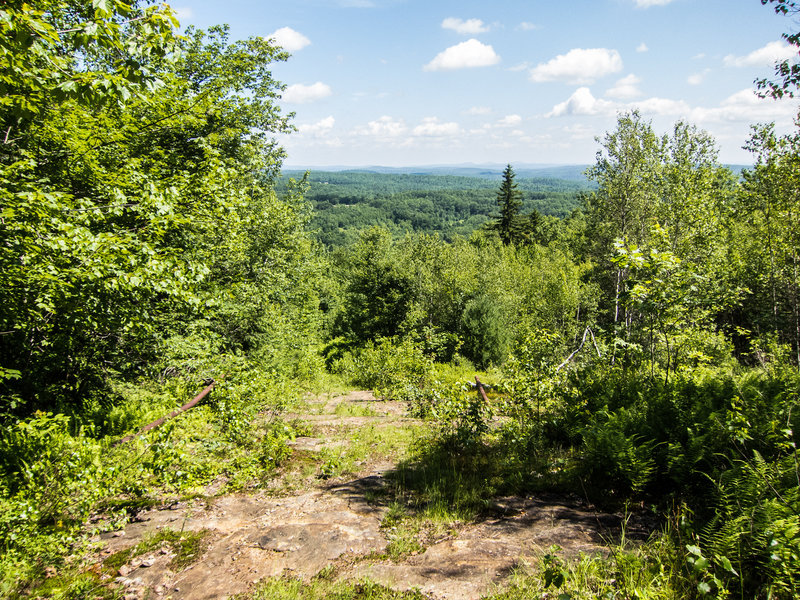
(384, 127)
(526, 26)
(468, 27)
(763, 57)
(660, 106)
(301, 94)
(479, 110)
(582, 102)
(467, 54)
(289, 39)
(743, 107)
(649, 3)
(642, 47)
(746, 107)
(627, 87)
(578, 66)
(320, 128)
(432, 127)
(510, 121)
(697, 78)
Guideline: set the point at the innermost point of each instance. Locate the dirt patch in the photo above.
(484, 553)
(338, 522)
(253, 537)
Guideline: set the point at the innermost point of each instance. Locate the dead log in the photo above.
(481, 390)
(191, 404)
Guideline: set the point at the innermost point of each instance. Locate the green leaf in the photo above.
(726, 564)
(102, 5)
(694, 550)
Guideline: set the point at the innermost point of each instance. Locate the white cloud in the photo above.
(183, 12)
(464, 55)
(697, 78)
(289, 39)
(763, 57)
(580, 132)
(642, 47)
(659, 106)
(525, 26)
(579, 66)
(627, 87)
(510, 121)
(582, 103)
(468, 27)
(384, 127)
(431, 127)
(520, 67)
(746, 107)
(318, 129)
(300, 94)
(479, 110)
(649, 3)
(743, 107)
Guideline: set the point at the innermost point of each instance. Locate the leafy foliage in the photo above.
(786, 71)
(109, 209)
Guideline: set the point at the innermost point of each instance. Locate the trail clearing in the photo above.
(313, 520)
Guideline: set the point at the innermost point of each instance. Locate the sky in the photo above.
(429, 82)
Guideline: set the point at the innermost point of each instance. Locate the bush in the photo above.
(387, 367)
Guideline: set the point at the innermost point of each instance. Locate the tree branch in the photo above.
(587, 331)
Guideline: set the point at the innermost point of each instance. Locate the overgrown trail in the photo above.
(334, 509)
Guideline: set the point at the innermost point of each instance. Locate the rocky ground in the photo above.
(310, 520)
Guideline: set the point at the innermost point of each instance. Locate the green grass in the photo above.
(321, 588)
(365, 443)
(71, 586)
(649, 572)
(188, 546)
(351, 409)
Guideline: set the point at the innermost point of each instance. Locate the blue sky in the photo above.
(413, 82)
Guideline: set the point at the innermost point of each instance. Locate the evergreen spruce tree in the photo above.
(509, 199)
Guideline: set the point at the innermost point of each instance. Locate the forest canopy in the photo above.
(345, 202)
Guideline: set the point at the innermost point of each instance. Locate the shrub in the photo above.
(387, 367)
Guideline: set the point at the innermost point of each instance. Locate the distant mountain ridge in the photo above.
(575, 173)
(489, 171)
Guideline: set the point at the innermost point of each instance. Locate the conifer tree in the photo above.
(509, 199)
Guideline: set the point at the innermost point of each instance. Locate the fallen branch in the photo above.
(481, 390)
(191, 404)
(578, 349)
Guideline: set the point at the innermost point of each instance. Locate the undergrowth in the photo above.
(64, 478)
(324, 588)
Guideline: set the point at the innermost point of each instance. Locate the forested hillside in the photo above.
(640, 336)
(345, 202)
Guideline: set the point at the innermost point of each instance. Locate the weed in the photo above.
(351, 409)
(321, 588)
(187, 547)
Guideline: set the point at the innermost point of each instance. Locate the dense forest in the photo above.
(641, 339)
(345, 202)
